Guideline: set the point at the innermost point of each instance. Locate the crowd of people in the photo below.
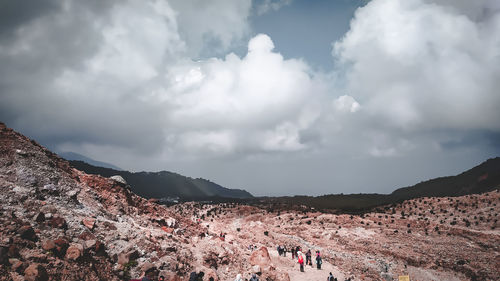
(151, 274)
(297, 254)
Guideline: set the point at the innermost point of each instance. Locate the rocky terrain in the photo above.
(58, 223)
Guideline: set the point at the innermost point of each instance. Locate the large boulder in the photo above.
(48, 245)
(261, 258)
(74, 251)
(35, 272)
(89, 223)
(119, 179)
(277, 276)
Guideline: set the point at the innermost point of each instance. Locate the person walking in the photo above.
(318, 261)
(301, 261)
(254, 277)
(308, 258)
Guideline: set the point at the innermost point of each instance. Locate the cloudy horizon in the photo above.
(277, 97)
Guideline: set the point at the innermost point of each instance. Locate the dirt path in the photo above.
(310, 274)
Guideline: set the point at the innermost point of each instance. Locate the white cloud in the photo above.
(261, 98)
(425, 64)
(346, 103)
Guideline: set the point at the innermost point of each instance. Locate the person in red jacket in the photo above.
(301, 262)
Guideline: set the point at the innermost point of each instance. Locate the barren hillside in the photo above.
(58, 223)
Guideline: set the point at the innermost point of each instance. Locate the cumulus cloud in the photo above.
(139, 79)
(258, 102)
(425, 64)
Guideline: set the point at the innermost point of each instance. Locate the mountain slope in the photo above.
(482, 178)
(72, 156)
(165, 184)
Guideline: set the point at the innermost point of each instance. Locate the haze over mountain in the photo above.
(166, 184)
(72, 156)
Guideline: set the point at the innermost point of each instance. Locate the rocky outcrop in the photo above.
(260, 258)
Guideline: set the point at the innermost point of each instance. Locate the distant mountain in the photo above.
(482, 178)
(72, 156)
(166, 184)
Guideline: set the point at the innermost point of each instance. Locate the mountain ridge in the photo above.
(165, 184)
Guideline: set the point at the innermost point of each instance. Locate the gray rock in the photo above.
(119, 179)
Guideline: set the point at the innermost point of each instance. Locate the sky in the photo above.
(278, 97)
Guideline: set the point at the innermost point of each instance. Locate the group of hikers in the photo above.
(297, 253)
(151, 274)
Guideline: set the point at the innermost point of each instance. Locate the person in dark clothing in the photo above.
(308, 258)
(200, 276)
(330, 277)
(318, 261)
(193, 276)
(162, 278)
(254, 277)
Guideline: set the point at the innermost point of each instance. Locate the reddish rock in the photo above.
(35, 272)
(279, 276)
(89, 223)
(61, 245)
(18, 266)
(13, 251)
(27, 233)
(86, 236)
(58, 222)
(260, 257)
(74, 251)
(48, 245)
(167, 229)
(36, 256)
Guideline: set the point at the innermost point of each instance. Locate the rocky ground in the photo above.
(57, 223)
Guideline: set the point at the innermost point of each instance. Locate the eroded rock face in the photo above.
(261, 258)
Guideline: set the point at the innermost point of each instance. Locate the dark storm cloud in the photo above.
(463, 140)
(14, 14)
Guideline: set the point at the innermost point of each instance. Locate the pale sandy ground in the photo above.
(310, 274)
